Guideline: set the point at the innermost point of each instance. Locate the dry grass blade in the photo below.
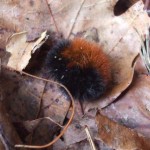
(145, 50)
(2, 139)
(90, 138)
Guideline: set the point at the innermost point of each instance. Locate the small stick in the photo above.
(50, 11)
(64, 128)
(4, 142)
(89, 138)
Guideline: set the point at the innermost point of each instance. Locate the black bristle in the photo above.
(83, 83)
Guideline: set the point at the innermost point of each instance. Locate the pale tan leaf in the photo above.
(21, 50)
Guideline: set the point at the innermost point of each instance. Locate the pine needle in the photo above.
(145, 50)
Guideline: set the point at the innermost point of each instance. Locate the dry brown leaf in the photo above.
(57, 106)
(29, 98)
(119, 137)
(20, 102)
(90, 13)
(25, 94)
(19, 15)
(133, 108)
(8, 134)
(140, 66)
(43, 131)
(83, 145)
(21, 50)
(76, 132)
(115, 34)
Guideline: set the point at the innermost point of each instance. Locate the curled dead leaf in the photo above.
(21, 50)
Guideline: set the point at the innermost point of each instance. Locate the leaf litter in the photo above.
(24, 105)
(29, 101)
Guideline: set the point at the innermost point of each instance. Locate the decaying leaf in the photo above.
(8, 135)
(29, 99)
(17, 16)
(140, 67)
(26, 94)
(118, 37)
(43, 131)
(20, 102)
(76, 131)
(119, 137)
(21, 50)
(115, 34)
(133, 108)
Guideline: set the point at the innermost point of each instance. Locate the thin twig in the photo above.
(68, 123)
(145, 53)
(75, 19)
(90, 138)
(50, 11)
(41, 100)
(48, 118)
(2, 139)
